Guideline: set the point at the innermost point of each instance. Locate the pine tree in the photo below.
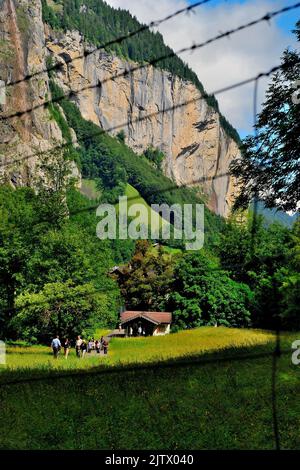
(269, 167)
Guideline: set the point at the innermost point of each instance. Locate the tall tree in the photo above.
(53, 178)
(269, 166)
(203, 294)
(146, 282)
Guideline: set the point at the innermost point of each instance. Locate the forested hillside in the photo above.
(54, 271)
(55, 274)
(101, 24)
(112, 164)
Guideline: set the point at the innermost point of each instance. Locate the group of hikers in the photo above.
(81, 346)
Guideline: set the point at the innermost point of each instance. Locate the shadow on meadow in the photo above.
(91, 366)
(222, 399)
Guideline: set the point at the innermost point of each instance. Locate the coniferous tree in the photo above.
(269, 167)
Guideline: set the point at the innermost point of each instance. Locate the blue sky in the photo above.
(285, 22)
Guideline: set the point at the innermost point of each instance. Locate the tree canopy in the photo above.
(269, 167)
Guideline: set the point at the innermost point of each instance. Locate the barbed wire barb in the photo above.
(118, 40)
(101, 131)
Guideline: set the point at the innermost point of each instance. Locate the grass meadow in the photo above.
(134, 197)
(209, 388)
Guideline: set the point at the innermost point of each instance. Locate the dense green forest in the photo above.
(101, 24)
(54, 271)
(269, 163)
(53, 268)
(243, 280)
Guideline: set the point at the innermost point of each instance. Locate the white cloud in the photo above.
(227, 61)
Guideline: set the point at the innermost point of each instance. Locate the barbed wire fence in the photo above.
(275, 354)
(267, 17)
(123, 125)
(118, 40)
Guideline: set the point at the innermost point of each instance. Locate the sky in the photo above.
(227, 61)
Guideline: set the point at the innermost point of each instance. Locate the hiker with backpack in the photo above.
(56, 346)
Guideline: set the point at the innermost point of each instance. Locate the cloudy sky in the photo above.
(244, 55)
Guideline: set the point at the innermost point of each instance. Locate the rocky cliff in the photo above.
(24, 138)
(23, 52)
(196, 147)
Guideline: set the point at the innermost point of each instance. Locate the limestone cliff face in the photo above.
(23, 53)
(198, 151)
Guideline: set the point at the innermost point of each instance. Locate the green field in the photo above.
(209, 388)
(89, 189)
(134, 197)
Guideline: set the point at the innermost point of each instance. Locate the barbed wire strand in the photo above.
(171, 187)
(256, 80)
(101, 131)
(266, 17)
(118, 40)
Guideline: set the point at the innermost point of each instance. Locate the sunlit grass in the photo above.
(154, 393)
(134, 197)
(126, 351)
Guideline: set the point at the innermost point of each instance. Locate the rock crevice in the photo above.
(146, 104)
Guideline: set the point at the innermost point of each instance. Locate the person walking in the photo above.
(67, 347)
(78, 346)
(105, 346)
(83, 348)
(56, 346)
(90, 346)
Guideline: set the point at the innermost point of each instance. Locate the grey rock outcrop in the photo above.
(145, 104)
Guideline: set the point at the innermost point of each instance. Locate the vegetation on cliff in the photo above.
(269, 167)
(100, 24)
(54, 270)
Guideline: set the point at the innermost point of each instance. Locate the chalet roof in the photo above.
(154, 317)
(118, 269)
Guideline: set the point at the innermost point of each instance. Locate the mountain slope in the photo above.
(275, 215)
(101, 24)
(193, 138)
(197, 149)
